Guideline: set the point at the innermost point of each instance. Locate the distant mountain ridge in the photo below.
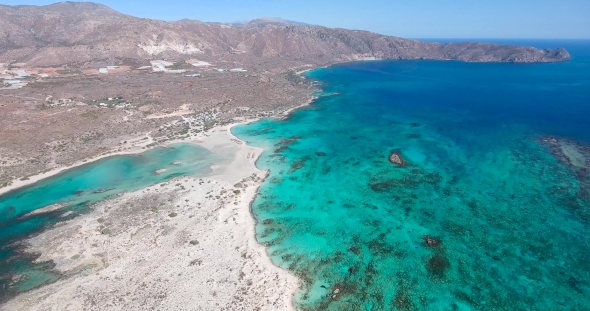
(68, 32)
(266, 20)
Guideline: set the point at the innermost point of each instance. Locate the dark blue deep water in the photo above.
(490, 212)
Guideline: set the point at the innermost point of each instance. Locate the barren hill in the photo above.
(70, 32)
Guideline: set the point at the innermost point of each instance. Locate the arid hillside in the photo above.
(72, 32)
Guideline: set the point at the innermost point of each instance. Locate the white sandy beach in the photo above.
(187, 244)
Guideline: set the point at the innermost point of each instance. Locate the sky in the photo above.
(535, 19)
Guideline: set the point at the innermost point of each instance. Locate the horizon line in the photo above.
(492, 38)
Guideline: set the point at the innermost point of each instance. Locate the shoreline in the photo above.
(49, 242)
(260, 252)
(310, 101)
(31, 180)
(250, 222)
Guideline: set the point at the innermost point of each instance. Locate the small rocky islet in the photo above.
(396, 158)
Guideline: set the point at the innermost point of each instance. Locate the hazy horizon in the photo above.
(463, 19)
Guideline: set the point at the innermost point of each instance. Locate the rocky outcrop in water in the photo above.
(396, 158)
(430, 241)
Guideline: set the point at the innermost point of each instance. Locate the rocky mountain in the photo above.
(76, 32)
(269, 19)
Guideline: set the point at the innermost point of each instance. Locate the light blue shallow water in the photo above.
(77, 189)
(484, 217)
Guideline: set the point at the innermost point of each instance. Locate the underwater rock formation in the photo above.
(160, 171)
(430, 241)
(437, 265)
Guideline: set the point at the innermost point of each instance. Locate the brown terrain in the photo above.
(79, 79)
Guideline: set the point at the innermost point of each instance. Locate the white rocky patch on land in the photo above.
(198, 63)
(154, 48)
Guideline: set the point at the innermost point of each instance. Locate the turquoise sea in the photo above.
(77, 189)
(486, 215)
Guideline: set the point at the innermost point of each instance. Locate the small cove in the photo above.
(72, 192)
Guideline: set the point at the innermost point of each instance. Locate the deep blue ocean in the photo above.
(490, 212)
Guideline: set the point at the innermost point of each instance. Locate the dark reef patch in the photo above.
(438, 265)
(403, 301)
(284, 144)
(298, 164)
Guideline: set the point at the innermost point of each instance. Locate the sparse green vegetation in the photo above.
(172, 215)
(106, 102)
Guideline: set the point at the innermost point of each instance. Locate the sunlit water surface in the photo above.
(483, 217)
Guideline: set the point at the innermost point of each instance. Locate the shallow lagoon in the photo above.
(77, 189)
(484, 217)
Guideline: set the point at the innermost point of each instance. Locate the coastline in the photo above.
(30, 180)
(287, 112)
(224, 215)
(63, 242)
(50, 243)
(47, 243)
